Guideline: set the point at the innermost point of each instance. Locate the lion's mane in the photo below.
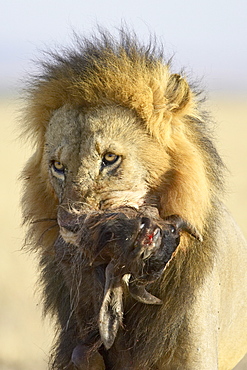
(100, 71)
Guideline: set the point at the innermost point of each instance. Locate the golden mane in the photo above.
(105, 71)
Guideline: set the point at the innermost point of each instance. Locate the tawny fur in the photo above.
(128, 91)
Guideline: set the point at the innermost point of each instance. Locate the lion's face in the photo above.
(98, 159)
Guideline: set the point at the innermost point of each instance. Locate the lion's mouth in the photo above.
(70, 223)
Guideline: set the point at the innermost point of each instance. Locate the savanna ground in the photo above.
(24, 338)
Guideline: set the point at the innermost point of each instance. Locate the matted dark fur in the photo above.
(182, 174)
(124, 250)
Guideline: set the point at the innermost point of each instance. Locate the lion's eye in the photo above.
(58, 169)
(110, 158)
(58, 166)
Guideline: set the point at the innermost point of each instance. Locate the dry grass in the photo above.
(24, 339)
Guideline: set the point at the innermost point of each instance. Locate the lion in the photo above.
(123, 145)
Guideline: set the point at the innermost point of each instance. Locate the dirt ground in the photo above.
(24, 338)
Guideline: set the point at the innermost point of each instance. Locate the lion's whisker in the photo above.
(44, 232)
(43, 220)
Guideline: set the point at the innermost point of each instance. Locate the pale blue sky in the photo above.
(207, 37)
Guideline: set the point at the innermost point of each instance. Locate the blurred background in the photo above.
(207, 38)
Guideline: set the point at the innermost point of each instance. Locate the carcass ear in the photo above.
(111, 311)
(178, 93)
(140, 293)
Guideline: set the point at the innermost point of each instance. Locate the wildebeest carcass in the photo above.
(123, 251)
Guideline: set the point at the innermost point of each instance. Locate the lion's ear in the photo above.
(178, 94)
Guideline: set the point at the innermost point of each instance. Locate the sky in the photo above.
(208, 38)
